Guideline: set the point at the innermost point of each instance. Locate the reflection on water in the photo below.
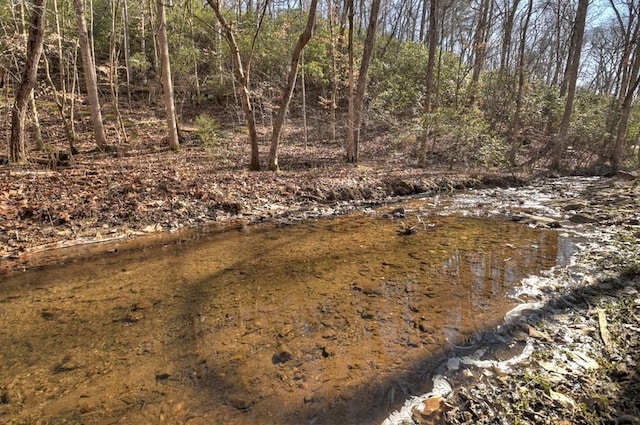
(325, 322)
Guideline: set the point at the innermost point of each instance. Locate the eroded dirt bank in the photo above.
(128, 194)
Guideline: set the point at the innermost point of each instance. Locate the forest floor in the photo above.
(142, 188)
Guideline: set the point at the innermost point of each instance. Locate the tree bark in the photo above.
(511, 7)
(242, 80)
(515, 130)
(167, 83)
(287, 92)
(429, 83)
(480, 47)
(36, 122)
(351, 153)
(24, 93)
(628, 83)
(361, 85)
(572, 78)
(90, 77)
(127, 47)
(625, 113)
(334, 68)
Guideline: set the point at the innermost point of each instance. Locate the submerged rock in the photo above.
(582, 219)
(282, 356)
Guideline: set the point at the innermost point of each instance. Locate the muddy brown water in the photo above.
(329, 322)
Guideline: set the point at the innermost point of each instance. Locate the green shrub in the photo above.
(463, 137)
(207, 131)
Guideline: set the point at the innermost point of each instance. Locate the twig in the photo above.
(604, 332)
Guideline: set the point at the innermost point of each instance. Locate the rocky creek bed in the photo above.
(570, 355)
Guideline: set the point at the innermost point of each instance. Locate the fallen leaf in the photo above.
(584, 360)
(553, 368)
(566, 401)
(150, 228)
(431, 405)
(604, 331)
(534, 333)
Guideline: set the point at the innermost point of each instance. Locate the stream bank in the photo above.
(602, 277)
(580, 323)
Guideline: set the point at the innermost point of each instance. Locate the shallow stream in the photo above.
(325, 322)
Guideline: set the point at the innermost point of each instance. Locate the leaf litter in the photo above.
(573, 366)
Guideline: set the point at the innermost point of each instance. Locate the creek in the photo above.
(322, 322)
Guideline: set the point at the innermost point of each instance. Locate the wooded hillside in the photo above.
(453, 83)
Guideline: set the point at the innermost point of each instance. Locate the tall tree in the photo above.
(515, 129)
(356, 123)
(287, 92)
(625, 110)
(127, 47)
(480, 41)
(61, 101)
(90, 78)
(629, 71)
(333, 54)
(167, 83)
(510, 9)
(351, 144)
(429, 83)
(571, 80)
(24, 93)
(242, 79)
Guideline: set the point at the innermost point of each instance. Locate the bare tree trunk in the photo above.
(23, 19)
(143, 41)
(114, 78)
(61, 108)
(243, 81)
(32, 98)
(511, 7)
(429, 89)
(515, 131)
(127, 47)
(351, 145)
(423, 19)
(558, 48)
(287, 92)
(333, 53)
(621, 106)
(167, 84)
(34, 51)
(74, 86)
(61, 101)
(625, 112)
(303, 94)
(156, 58)
(572, 78)
(480, 47)
(90, 76)
(36, 122)
(358, 101)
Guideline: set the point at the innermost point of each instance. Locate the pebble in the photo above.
(282, 356)
(241, 402)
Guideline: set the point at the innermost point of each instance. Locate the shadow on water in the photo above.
(330, 322)
(346, 351)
